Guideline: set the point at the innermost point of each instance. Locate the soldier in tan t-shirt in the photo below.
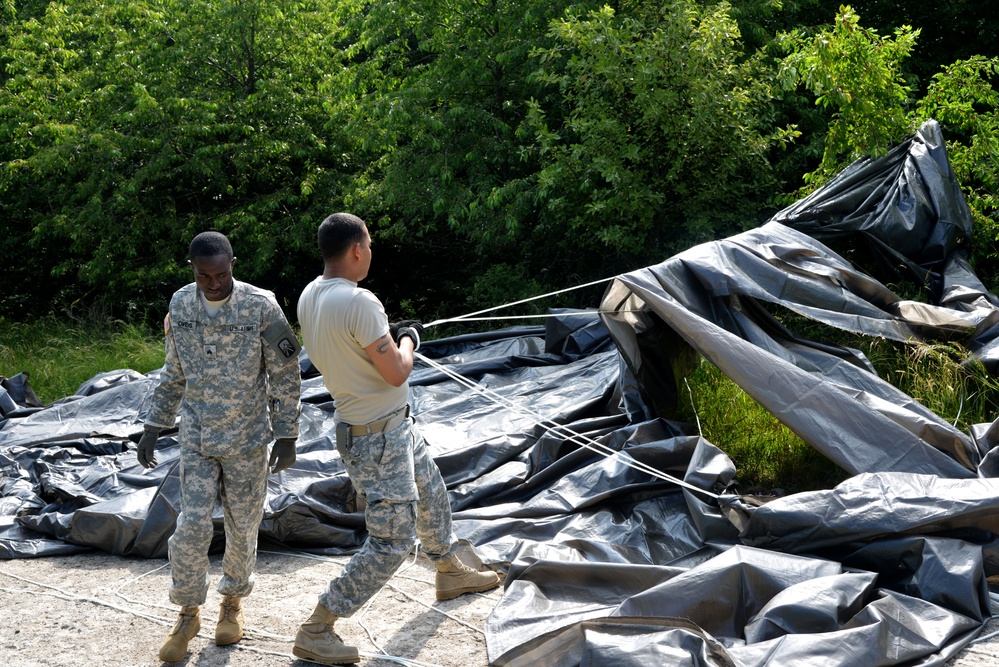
(366, 369)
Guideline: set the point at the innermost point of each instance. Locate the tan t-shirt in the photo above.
(338, 320)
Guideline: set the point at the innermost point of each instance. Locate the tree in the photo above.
(963, 99)
(440, 92)
(857, 74)
(948, 31)
(663, 144)
(128, 127)
(504, 129)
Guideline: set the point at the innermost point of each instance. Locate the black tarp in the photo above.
(607, 564)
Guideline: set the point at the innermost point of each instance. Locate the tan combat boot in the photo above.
(230, 626)
(454, 578)
(317, 641)
(184, 630)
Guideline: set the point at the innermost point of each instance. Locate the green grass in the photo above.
(943, 376)
(767, 455)
(60, 354)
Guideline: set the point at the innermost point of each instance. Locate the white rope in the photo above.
(570, 435)
(399, 574)
(71, 597)
(359, 619)
(437, 609)
(593, 313)
(118, 593)
(65, 595)
(491, 318)
(401, 661)
(468, 317)
(305, 555)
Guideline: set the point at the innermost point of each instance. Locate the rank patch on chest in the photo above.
(210, 351)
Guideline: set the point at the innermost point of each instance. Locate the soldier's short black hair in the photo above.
(338, 232)
(209, 244)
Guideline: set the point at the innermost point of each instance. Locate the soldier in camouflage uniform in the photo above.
(365, 363)
(232, 372)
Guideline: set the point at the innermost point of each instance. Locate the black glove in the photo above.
(283, 453)
(147, 445)
(394, 328)
(409, 328)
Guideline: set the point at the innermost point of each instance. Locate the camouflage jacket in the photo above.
(234, 378)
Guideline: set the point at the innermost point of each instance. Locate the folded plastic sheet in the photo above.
(607, 563)
(906, 208)
(17, 398)
(828, 396)
(910, 540)
(70, 474)
(871, 506)
(743, 607)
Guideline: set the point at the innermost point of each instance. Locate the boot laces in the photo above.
(456, 566)
(185, 619)
(229, 610)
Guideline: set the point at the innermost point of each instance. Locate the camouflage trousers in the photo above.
(406, 498)
(241, 481)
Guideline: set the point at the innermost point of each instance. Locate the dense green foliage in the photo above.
(128, 127)
(498, 149)
(944, 377)
(856, 73)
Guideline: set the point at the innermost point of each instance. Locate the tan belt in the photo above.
(389, 423)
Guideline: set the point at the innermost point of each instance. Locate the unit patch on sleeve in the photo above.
(284, 342)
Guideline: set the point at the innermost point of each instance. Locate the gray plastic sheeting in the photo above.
(607, 564)
(890, 567)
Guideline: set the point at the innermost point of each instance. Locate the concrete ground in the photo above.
(106, 611)
(984, 650)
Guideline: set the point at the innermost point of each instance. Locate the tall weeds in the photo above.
(59, 354)
(943, 376)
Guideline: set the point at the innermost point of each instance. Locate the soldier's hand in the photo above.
(147, 445)
(406, 328)
(396, 327)
(282, 454)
